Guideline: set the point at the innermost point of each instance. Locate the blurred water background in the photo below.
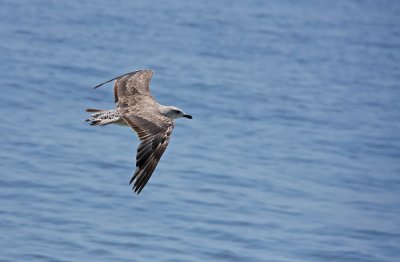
(292, 155)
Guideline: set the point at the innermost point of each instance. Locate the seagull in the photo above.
(152, 122)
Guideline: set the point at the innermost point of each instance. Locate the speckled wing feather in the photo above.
(132, 85)
(154, 140)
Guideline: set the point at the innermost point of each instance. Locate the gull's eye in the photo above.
(176, 112)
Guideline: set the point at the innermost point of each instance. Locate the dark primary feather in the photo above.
(154, 140)
(108, 81)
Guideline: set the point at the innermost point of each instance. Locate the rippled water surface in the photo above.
(292, 155)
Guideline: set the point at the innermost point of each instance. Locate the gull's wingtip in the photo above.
(101, 84)
(116, 78)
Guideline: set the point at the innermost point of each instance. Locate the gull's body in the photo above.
(153, 122)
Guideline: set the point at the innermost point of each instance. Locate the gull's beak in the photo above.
(188, 116)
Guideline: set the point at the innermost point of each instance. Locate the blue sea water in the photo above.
(293, 153)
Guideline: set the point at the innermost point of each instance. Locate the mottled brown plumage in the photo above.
(152, 122)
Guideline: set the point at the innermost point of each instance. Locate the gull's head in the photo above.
(173, 112)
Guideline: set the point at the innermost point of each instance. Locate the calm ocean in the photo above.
(293, 153)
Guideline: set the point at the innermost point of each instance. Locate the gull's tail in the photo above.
(102, 117)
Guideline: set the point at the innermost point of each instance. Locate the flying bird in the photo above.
(152, 122)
